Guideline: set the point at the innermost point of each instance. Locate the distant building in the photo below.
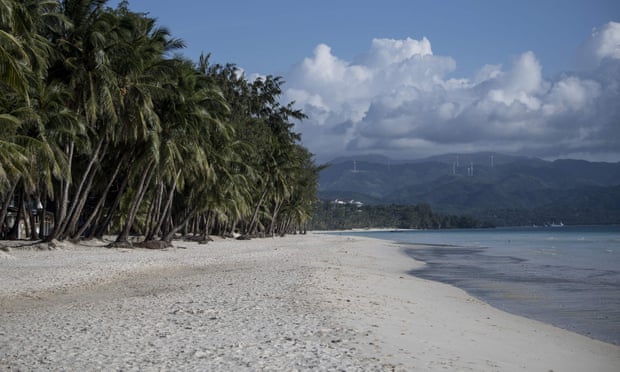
(26, 223)
(347, 202)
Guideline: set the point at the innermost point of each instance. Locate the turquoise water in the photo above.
(566, 276)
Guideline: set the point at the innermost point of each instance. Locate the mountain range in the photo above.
(501, 189)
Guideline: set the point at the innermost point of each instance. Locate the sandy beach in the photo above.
(312, 302)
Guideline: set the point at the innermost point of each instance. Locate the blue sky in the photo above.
(526, 58)
(268, 37)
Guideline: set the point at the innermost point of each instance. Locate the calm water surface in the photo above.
(566, 276)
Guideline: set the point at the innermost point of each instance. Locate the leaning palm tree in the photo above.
(13, 162)
(193, 141)
(14, 59)
(15, 67)
(25, 52)
(146, 76)
(50, 126)
(81, 66)
(101, 121)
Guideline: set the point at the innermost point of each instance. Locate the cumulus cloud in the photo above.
(397, 99)
(603, 44)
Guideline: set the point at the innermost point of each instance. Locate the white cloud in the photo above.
(385, 52)
(570, 95)
(330, 85)
(603, 44)
(521, 84)
(397, 99)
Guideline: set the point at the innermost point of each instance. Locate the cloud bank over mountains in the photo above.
(399, 100)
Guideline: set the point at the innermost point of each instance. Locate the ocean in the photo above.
(566, 276)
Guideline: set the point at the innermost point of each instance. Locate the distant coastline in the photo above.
(503, 190)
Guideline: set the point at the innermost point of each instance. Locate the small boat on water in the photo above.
(553, 224)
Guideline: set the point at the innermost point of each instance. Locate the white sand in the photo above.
(300, 302)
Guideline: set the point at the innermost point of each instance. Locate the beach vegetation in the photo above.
(338, 216)
(108, 130)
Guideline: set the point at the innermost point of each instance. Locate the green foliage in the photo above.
(333, 216)
(506, 190)
(116, 135)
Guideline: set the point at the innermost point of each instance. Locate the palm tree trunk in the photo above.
(81, 194)
(168, 205)
(77, 211)
(31, 219)
(168, 237)
(63, 198)
(27, 216)
(100, 202)
(14, 232)
(274, 216)
(101, 228)
(255, 215)
(153, 215)
(133, 211)
(208, 223)
(42, 214)
(7, 201)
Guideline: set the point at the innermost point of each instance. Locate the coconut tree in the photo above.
(205, 142)
(81, 65)
(25, 52)
(98, 117)
(298, 208)
(15, 63)
(45, 127)
(182, 116)
(13, 162)
(146, 77)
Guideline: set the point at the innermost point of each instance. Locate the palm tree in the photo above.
(145, 74)
(98, 117)
(82, 67)
(195, 140)
(27, 158)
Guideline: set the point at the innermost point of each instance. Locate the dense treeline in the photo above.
(332, 216)
(107, 129)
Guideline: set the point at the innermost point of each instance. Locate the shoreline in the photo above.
(299, 302)
(483, 279)
(503, 304)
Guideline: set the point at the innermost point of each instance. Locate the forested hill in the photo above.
(501, 189)
(331, 215)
